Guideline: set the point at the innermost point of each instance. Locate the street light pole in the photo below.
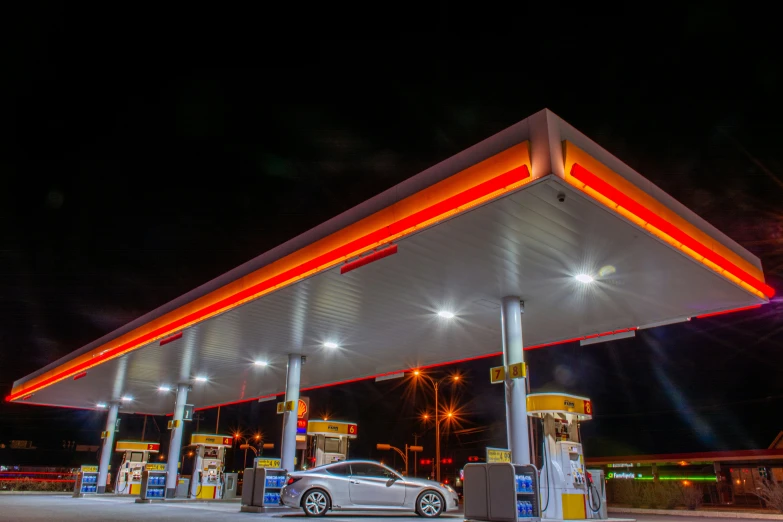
(437, 434)
(436, 387)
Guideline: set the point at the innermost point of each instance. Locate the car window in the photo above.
(370, 470)
(342, 470)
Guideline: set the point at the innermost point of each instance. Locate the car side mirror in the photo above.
(391, 481)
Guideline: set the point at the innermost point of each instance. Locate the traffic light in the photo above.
(425, 462)
(447, 460)
(473, 459)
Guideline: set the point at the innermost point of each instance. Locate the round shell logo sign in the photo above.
(302, 409)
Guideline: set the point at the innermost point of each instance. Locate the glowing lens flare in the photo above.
(584, 278)
(446, 315)
(331, 345)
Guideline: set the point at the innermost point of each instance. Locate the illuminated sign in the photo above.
(303, 409)
(268, 463)
(621, 465)
(212, 440)
(498, 455)
(329, 428)
(128, 445)
(89, 469)
(621, 475)
(158, 466)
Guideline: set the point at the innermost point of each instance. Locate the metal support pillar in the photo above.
(108, 446)
(175, 445)
(516, 395)
(288, 447)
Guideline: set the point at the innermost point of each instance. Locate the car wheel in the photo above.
(429, 504)
(315, 503)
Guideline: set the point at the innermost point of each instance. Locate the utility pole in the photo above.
(217, 423)
(415, 461)
(144, 428)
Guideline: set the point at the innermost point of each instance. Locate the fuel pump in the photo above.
(135, 455)
(330, 440)
(564, 483)
(209, 454)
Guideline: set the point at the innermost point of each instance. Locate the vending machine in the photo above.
(135, 455)
(564, 484)
(209, 453)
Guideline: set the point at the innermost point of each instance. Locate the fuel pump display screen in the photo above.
(331, 445)
(137, 456)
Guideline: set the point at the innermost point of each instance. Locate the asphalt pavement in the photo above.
(35, 508)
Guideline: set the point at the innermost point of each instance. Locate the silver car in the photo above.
(365, 485)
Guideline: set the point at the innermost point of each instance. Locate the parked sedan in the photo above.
(365, 485)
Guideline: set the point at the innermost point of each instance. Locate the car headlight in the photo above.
(447, 487)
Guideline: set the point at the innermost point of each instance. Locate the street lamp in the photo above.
(454, 378)
(245, 446)
(387, 447)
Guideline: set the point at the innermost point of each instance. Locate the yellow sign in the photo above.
(89, 469)
(129, 445)
(498, 455)
(174, 424)
(280, 407)
(497, 374)
(517, 370)
(291, 406)
(329, 427)
(211, 440)
(105, 434)
(268, 463)
(540, 403)
(157, 466)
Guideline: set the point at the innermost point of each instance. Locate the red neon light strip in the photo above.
(35, 473)
(79, 376)
(645, 214)
(37, 480)
(366, 260)
(713, 314)
(463, 198)
(173, 338)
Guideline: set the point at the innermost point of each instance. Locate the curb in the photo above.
(703, 514)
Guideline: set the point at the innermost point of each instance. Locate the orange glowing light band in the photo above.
(498, 175)
(604, 189)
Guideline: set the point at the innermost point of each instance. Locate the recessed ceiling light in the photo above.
(200, 378)
(446, 315)
(100, 405)
(164, 388)
(584, 278)
(127, 398)
(260, 363)
(330, 344)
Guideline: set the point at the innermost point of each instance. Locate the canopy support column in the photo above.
(175, 445)
(108, 446)
(288, 447)
(516, 389)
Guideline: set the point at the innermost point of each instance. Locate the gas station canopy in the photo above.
(538, 211)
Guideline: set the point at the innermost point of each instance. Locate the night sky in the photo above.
(144, 154)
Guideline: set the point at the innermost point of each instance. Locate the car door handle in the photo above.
(355, 482)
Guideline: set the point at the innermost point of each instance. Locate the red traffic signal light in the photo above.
(446, 461)
(425, 462)
(473, 459)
